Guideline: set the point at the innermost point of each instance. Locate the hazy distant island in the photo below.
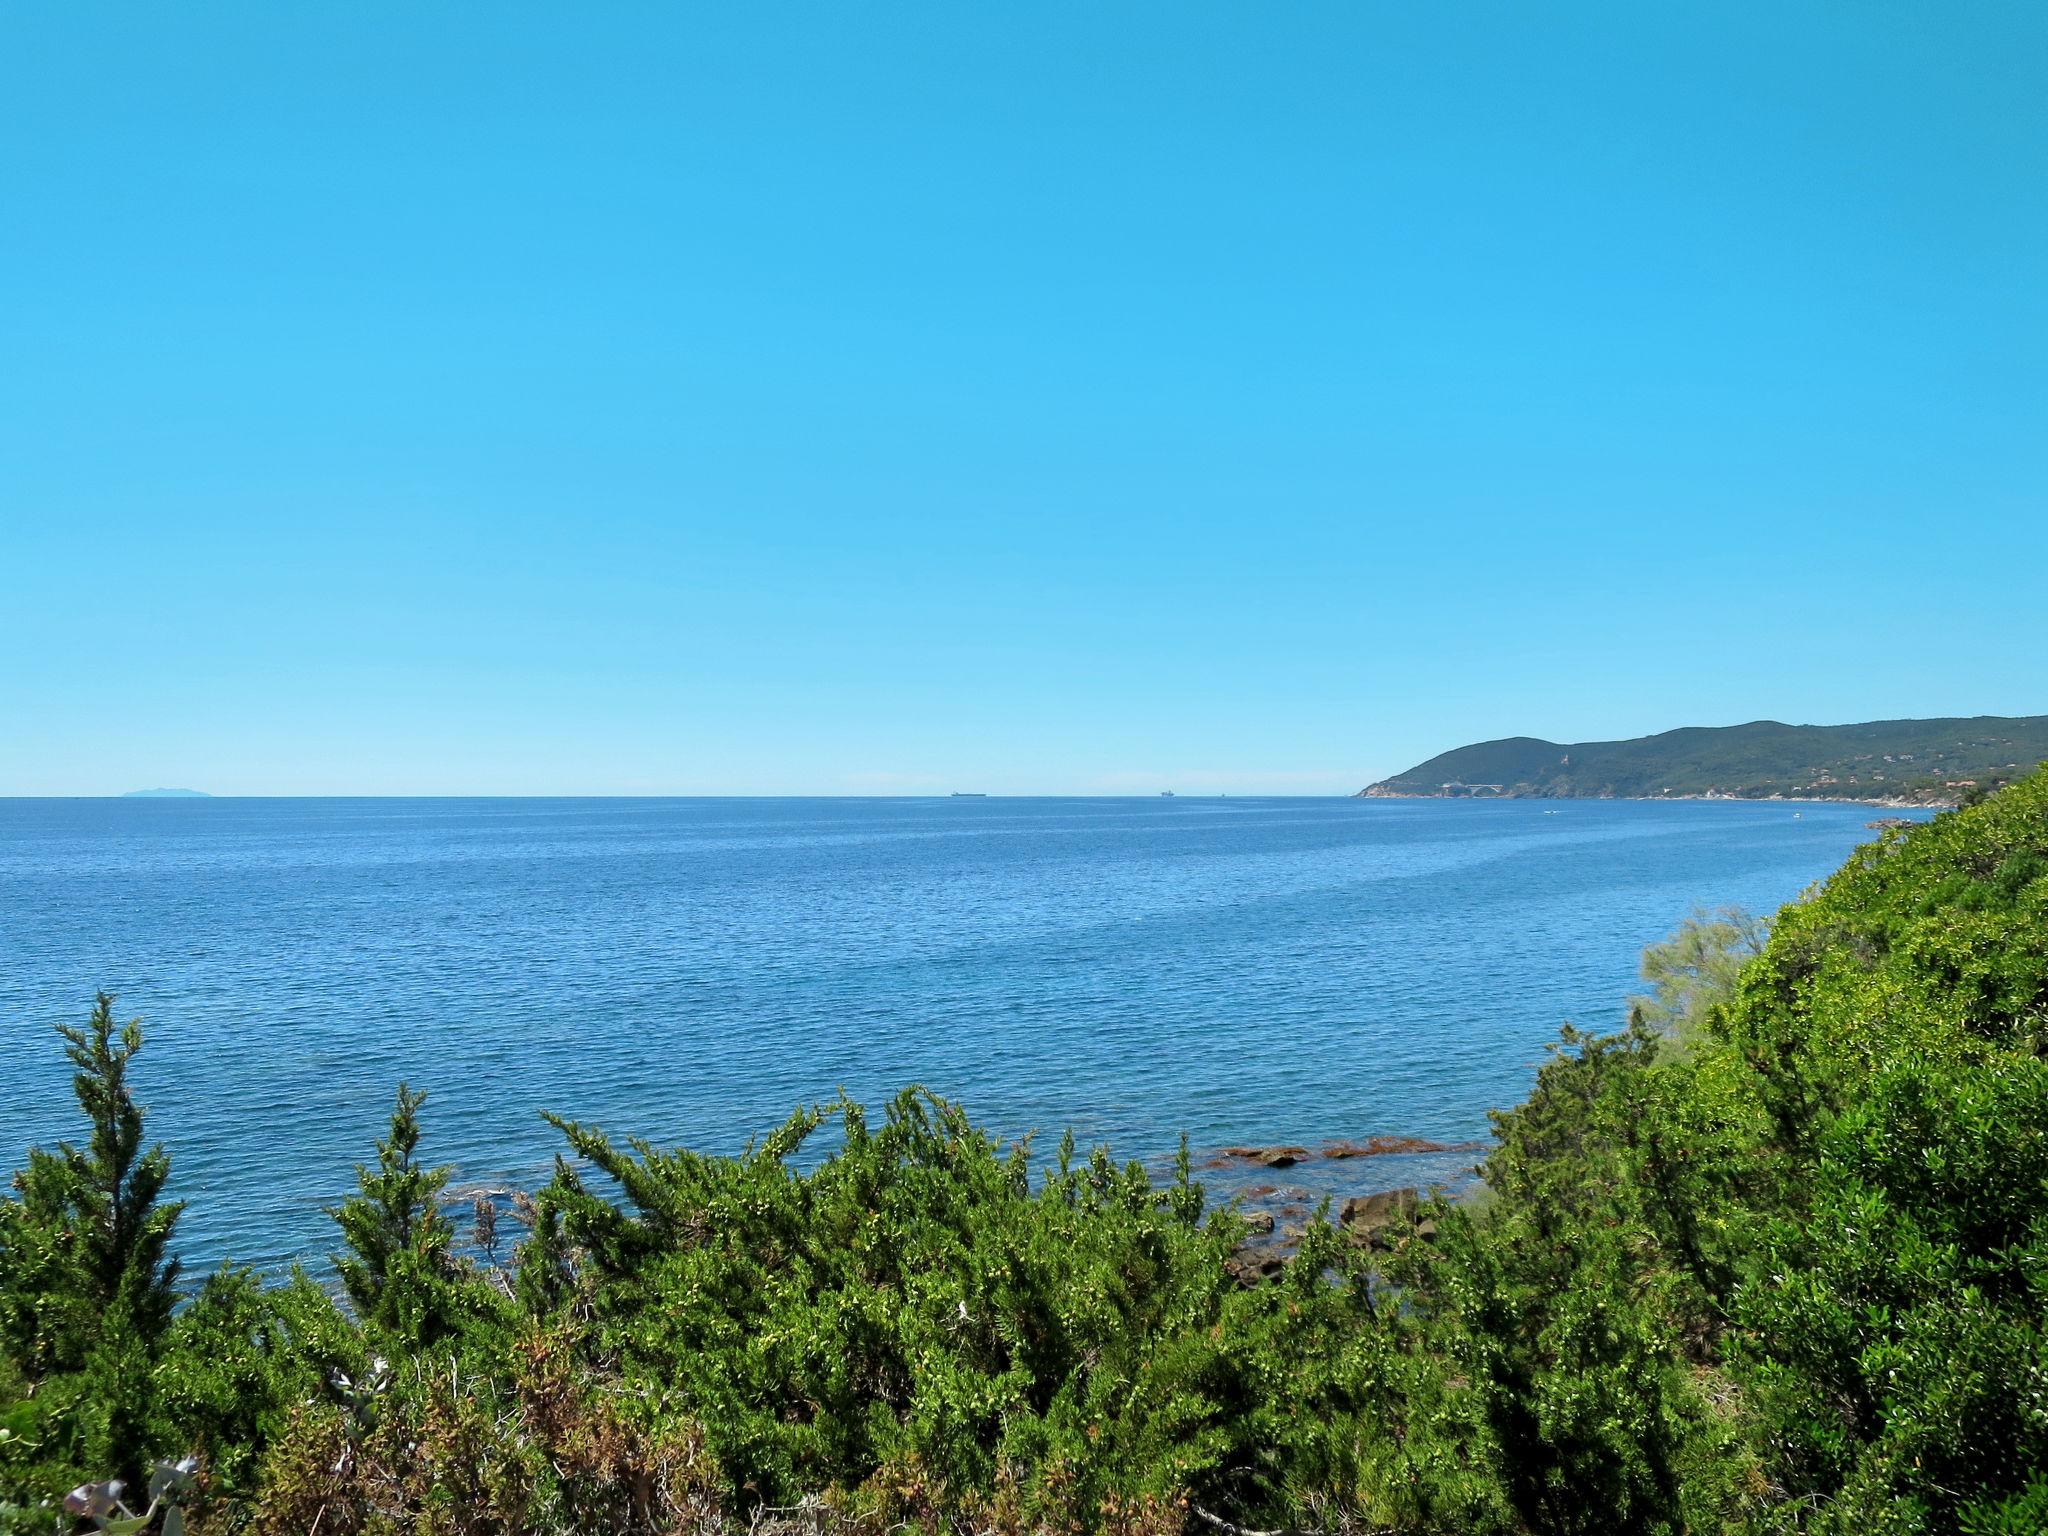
(167, 794)
(1891, 762)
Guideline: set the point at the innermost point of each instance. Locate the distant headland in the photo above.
(167, 794)
(1888, 762)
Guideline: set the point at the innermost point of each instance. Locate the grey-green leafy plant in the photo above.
(170, 1484)
(1694, 970)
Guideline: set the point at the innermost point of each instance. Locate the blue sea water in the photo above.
(1241, 970)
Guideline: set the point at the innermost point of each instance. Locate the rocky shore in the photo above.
(1376, 1213)
(1883, 802)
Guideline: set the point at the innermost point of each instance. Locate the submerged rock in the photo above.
(1264, 1157)
(1390, 1146)
(1334, 1151)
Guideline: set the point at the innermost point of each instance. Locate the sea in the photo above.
(1235, 971)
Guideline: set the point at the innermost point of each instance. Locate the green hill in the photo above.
(1928, 762)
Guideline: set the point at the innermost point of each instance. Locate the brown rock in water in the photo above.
(1365, 1218)
(1377, 1210)
(1265, 1157)
(1258, 1223)
(1255, 1266)
(1372, 1146)
(1382, 1146)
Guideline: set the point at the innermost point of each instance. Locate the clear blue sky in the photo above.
(1067, 397)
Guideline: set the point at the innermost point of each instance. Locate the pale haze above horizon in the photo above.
(807, 399)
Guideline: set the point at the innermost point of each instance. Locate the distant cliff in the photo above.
(1920, 762)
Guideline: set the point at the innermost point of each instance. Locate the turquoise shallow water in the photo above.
(688, 970)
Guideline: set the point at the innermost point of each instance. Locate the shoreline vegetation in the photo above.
(1937, 764)
(1772, 1259)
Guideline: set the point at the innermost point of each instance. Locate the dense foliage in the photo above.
(1925, 761)
(1789, 1276)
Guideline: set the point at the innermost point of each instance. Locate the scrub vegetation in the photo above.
(1772, 1259)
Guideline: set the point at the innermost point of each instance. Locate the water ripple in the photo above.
(689, 970)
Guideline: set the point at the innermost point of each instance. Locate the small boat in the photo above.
(1166, 794)
(969, 794)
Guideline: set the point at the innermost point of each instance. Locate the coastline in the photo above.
(1886, 802)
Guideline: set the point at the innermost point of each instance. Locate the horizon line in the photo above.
(1138, 796)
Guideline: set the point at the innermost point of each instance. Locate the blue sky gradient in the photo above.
(1065, 398)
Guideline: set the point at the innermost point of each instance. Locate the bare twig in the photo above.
(1217, 1522)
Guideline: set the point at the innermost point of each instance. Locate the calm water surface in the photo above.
(690, 970)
